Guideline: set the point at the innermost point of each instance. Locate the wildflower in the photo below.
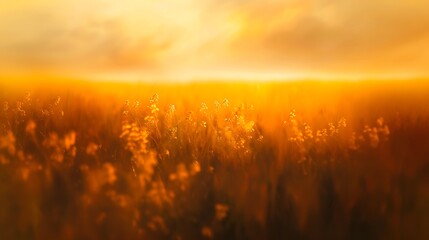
(173, 132)
(5, 106)
(203, 108)
(372, 134)
(182, 173)
(189, 116)
(4, 160)
(8, 142)
(154, 99)
(298, 136)
(109, 173)
(352, 142)
(145, 165)
(57, 100)
(207, 232)
(69, 140)
(380, 121)
(27, 97)
(221, 211)
(383, 129)
(157, 223)
(225, 103)
(195, 168)
(181, 176)
(332, 129)
(127, 103)
(321, 135)
(308, 133)
(248, 127)
(292, 114)
(154, 108)
(20, 111)
(172, 110)
(159, 195)
(217, 105)
(135, 138)
(92, 149)
(31, 126)
(342, 123)
(125, 112)
(119, 199)
(25, 173)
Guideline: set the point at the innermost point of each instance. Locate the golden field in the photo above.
(297, 160)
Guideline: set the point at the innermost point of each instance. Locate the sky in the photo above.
(213, 39)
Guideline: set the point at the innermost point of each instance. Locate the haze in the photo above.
(179, 40)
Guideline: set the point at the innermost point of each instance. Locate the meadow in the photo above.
(293, 160)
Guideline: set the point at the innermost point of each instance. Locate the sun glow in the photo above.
(189, 39)
(214, 119)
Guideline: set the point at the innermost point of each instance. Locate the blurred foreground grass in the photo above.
(303, 160)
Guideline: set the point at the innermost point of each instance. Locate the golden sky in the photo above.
(189, 39)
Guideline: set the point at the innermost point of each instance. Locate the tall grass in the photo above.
(215, 161)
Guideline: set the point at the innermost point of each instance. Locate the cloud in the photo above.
(40, 38)
(190, 37)
(334, 35)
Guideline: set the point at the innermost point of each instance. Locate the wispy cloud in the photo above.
(180, 38)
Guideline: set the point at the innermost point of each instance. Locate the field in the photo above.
(297, 160)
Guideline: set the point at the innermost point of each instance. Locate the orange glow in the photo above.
(185, 40)
(214, 119)
(91, 160)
